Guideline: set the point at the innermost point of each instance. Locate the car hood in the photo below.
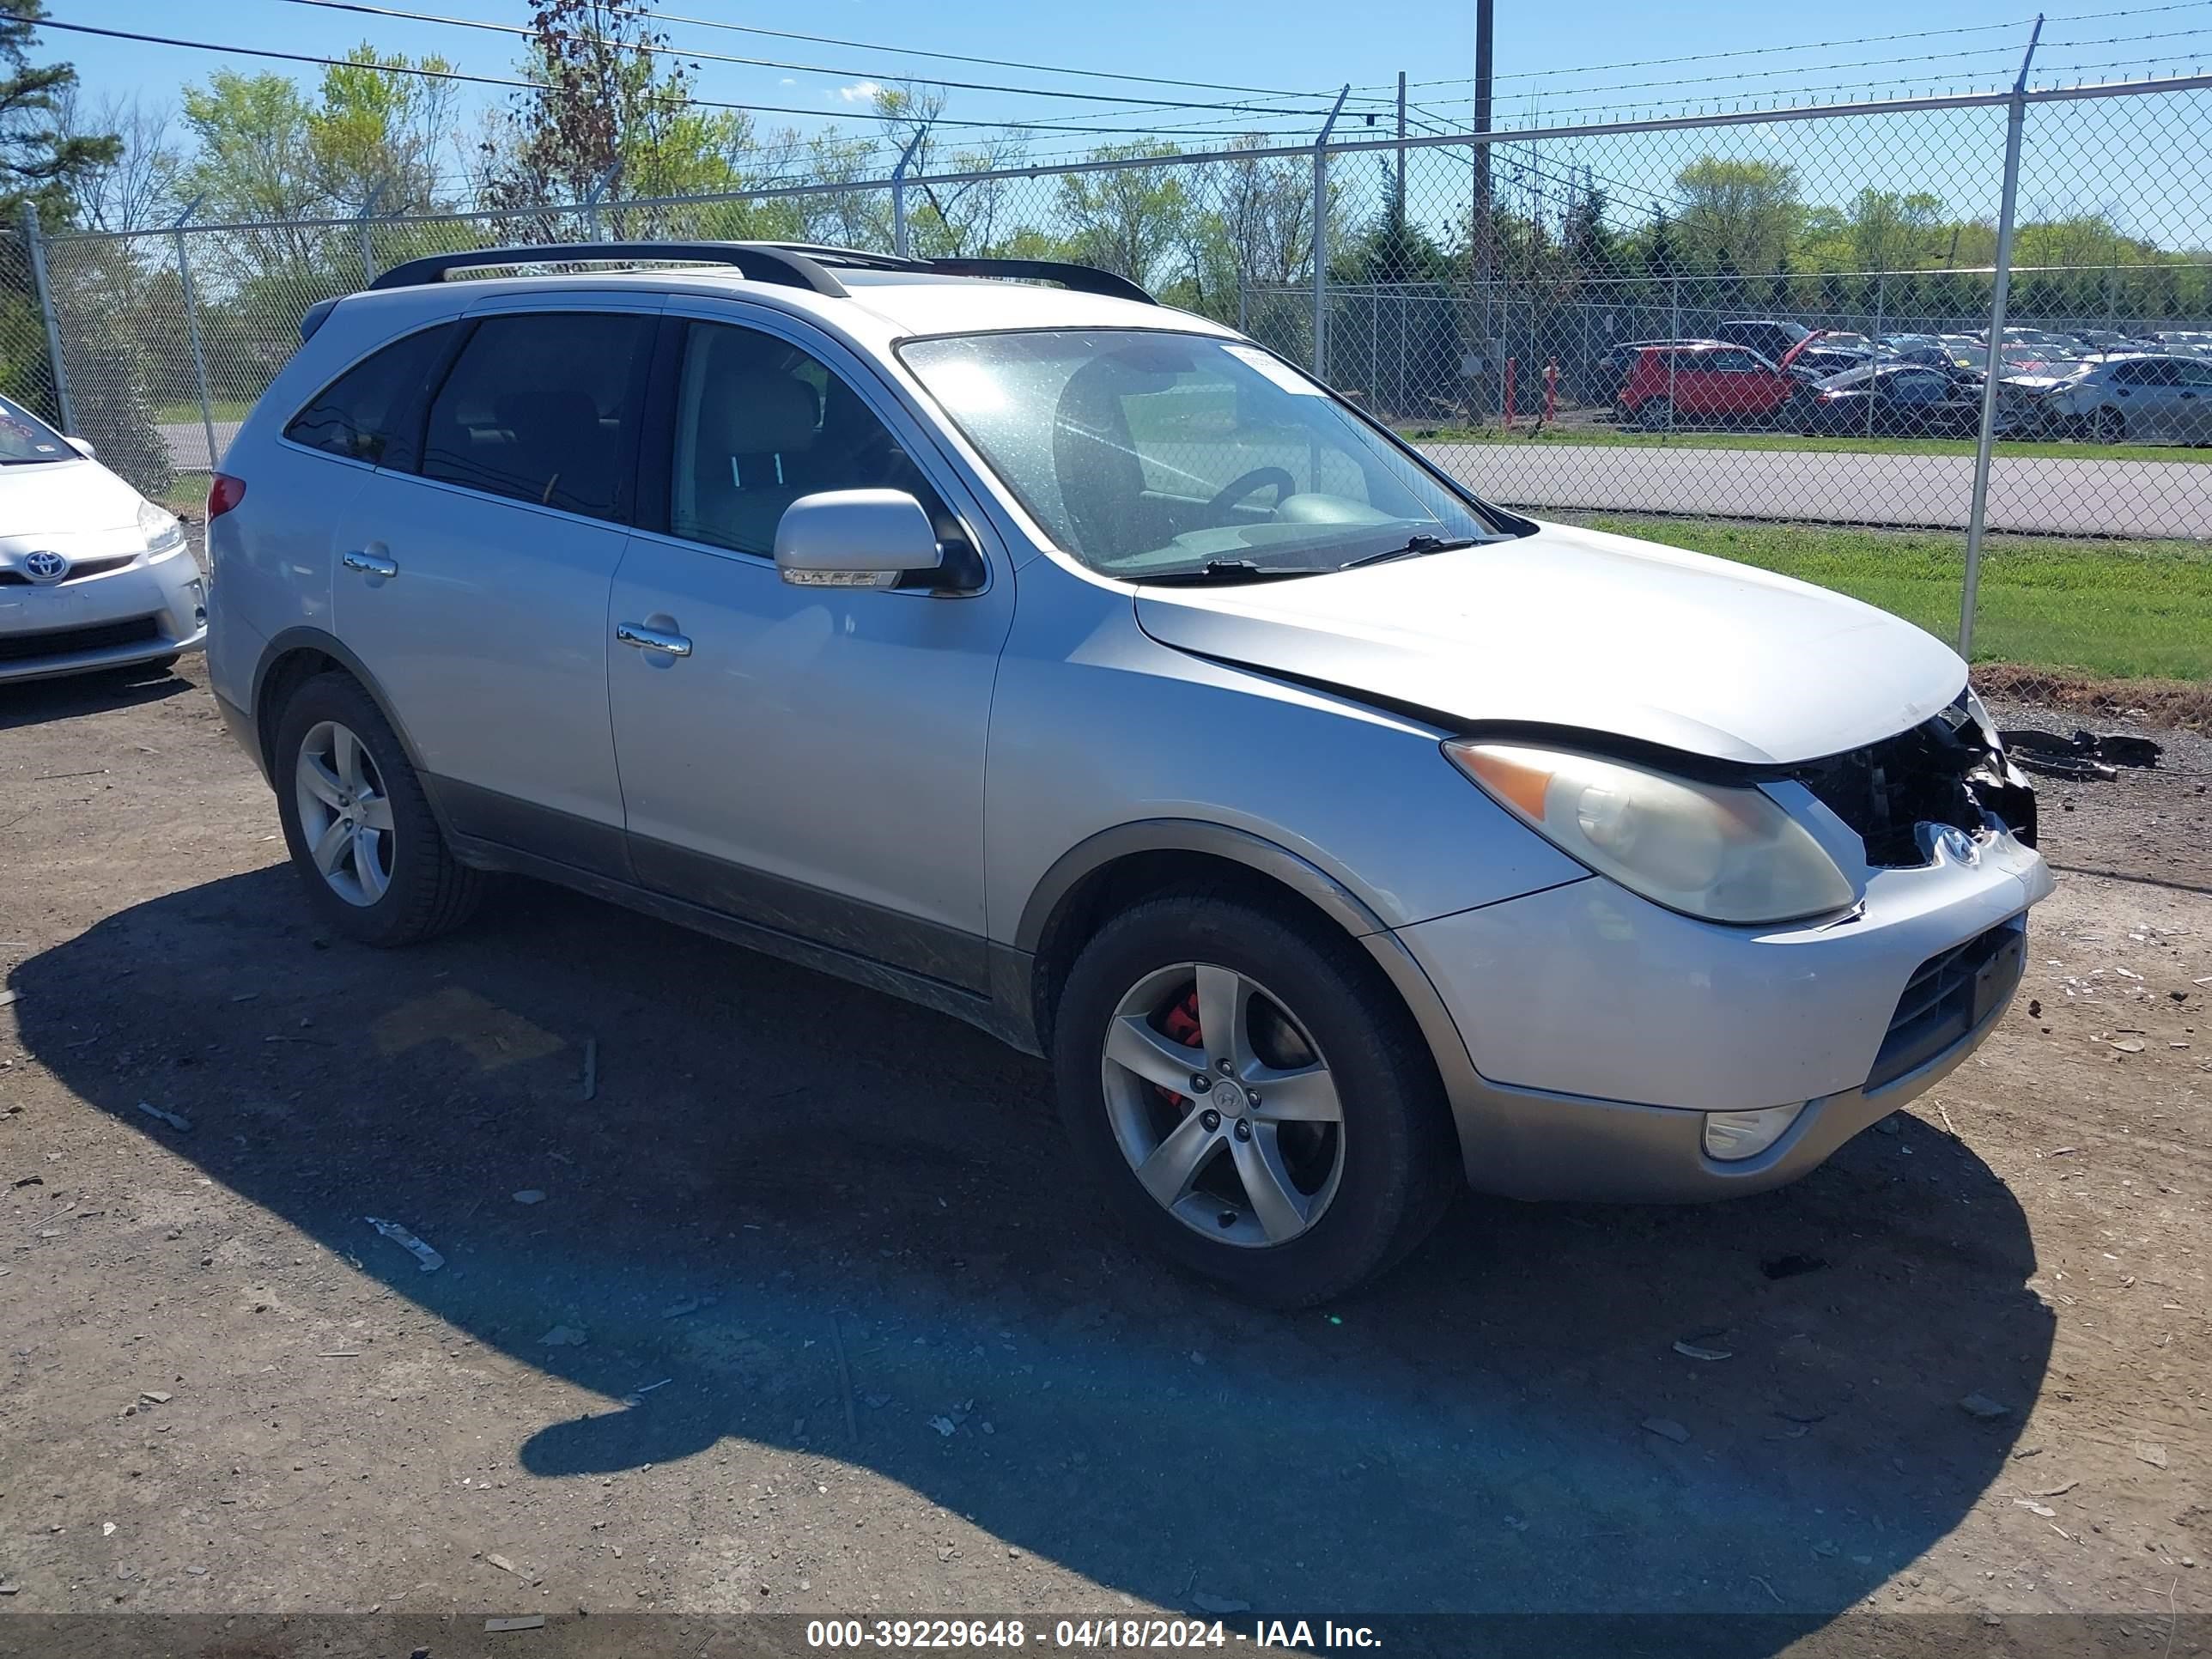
(1580, 629)
(63, 495)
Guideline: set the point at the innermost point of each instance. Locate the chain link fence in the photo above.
(1768, 336)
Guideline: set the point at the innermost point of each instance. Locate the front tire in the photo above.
(1320, 1150)
(360, 829)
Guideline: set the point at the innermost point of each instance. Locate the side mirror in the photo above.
(854, 538)
(84, 447)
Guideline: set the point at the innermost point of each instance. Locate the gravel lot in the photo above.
(805, 1320)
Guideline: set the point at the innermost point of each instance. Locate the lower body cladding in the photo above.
(147, 611)
(1623, 1051)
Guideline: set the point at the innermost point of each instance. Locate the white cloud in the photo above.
(860, 92)
(787, 81)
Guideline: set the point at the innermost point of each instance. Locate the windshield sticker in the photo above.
(1281, 373)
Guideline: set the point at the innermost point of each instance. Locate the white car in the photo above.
(92, 574)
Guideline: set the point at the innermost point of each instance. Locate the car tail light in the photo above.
(224, 492)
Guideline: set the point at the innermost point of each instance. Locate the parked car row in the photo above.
(2093, 384)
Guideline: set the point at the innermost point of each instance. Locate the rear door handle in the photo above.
(371, 564)
(652, 639)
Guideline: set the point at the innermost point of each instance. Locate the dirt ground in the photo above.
(795, 1314)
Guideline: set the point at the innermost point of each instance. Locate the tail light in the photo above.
(224, 492)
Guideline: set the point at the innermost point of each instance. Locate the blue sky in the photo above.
(1556, 63)
(1301, 45)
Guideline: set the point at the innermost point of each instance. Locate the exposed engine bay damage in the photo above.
(1949, 771)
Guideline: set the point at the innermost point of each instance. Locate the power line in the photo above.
(459, 75)
(511, 29)
(1821, 45)
(949, 57)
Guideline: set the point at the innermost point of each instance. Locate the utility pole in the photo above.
(1401, 150)
(1481, 228)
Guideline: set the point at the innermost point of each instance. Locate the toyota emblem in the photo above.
(45, 567)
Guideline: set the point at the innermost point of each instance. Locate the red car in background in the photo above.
(1704, 380)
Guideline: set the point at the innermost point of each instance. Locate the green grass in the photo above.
(186, 494)
(1613, 437)
(225, 409)
(2118, 609)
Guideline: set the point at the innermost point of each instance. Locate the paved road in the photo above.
(188, 445)
(2049, 496)
(2085, 497)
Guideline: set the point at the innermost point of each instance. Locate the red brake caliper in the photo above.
(1180, 1023)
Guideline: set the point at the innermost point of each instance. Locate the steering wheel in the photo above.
(1258, 479)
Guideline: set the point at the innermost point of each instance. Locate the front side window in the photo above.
(26, 440)
(760, 422)
(1154, 454)
(544, 407)
(359, 415)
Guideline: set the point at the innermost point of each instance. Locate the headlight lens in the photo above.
(160, 527)
(1722, 853)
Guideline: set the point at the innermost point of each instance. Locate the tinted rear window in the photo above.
(359, 415)
(544, 407)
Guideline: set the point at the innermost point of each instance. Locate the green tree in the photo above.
(39, 163)
(1127, 218)
(1745, 213)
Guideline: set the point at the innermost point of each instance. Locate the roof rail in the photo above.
(1083, 279)
(1087, 279)
(762, 262)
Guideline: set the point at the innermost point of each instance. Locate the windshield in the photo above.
(26, 440)
(1154, 454)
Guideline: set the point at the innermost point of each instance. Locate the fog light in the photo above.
(1730, 1136)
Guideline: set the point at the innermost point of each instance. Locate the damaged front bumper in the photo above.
(1604, 1030)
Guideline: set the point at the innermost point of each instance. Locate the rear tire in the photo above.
(2109, 426)
(1657, 415)
(1279, 1203)
(360, 829)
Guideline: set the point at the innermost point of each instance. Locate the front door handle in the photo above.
(652, 639)
(371, 564)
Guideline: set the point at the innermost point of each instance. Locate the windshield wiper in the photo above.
(1224, 572)
(1412, 547)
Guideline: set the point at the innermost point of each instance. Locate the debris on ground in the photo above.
(943, 1425)
(1790, 1266)
(2084, 755)
(1668, 1428)
(2151, 1452)
(500, 1562)
(1981, 1406)
(562, 1336)
(1698, 1350)
(174, 1120)
(155, 1397)
(527, 1621)
(2034, 1508)
(530, 1195)
(1220, 1606)
(430, 1259)
(690, 1304)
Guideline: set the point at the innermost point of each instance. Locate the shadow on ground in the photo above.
(784, 1180)
(33, 702)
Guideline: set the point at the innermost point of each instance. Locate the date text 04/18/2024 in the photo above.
(1084, 1635)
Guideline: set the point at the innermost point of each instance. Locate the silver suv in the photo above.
(1079, 668)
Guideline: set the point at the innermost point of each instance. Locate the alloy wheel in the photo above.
(1223, 1104)
(345, 817)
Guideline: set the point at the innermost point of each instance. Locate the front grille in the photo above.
(1935, 774)
(1947, 996)
(77, 572)
(68, 641)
